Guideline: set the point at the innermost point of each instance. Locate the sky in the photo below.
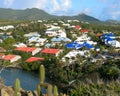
(100, 9)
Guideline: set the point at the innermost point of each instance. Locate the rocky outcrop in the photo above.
(9, 91)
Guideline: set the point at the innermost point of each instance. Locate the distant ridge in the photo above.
(35, 14)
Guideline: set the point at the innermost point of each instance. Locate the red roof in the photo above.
(25, 49)
(9, 57)
(77, 27)
(84, 30)
(32, 59)
(99, 34)
(50, 51)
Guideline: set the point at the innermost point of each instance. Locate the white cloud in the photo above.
(8, 3)
(53, 6)
(87, 11)
(41, 4)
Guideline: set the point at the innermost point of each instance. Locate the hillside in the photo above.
(35, 14)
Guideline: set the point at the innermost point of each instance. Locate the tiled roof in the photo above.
(9, 57)
(33, 59)
(77, 27)
(50, 51)
(25, 49)
(84, 30)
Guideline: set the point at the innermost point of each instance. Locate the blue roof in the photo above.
(111, 34)
(79, 46)
(74, 45)
(48, 45)
(108, 35)
(87, 45)
(59, 39)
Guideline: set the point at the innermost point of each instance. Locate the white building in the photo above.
(55, 31)
(6, 27)
(31, 34)
(20, 45)
(73, 54)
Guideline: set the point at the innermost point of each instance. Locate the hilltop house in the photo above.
(11, 58)
(55, 31)
(31, 50)
(51, 51)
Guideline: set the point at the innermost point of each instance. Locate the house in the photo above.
(34, 59)
(40, 21)
(51, 51)
(76, 45)
(72, 55)
(99, 34)
(31, 50)
(66, 25)
(85, 31)
(20, 45)
(6, 27)
(83, 38)
(77, 27)
(24, 24)
(31, 34)
(11, 58)
(109, 39)
(76, 21)
(59, 39)
(55, 31)
(37, 41)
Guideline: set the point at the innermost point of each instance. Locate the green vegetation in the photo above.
(35, 14)
(55, 91)
(17, 87)
(42, 74)
(78, 79)
(100, 88)
(39, 90)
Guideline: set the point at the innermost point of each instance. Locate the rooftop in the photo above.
(33, 59)
(50, 51)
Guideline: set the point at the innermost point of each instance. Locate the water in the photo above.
(28, 80)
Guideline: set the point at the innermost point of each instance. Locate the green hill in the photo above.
(35, 14)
